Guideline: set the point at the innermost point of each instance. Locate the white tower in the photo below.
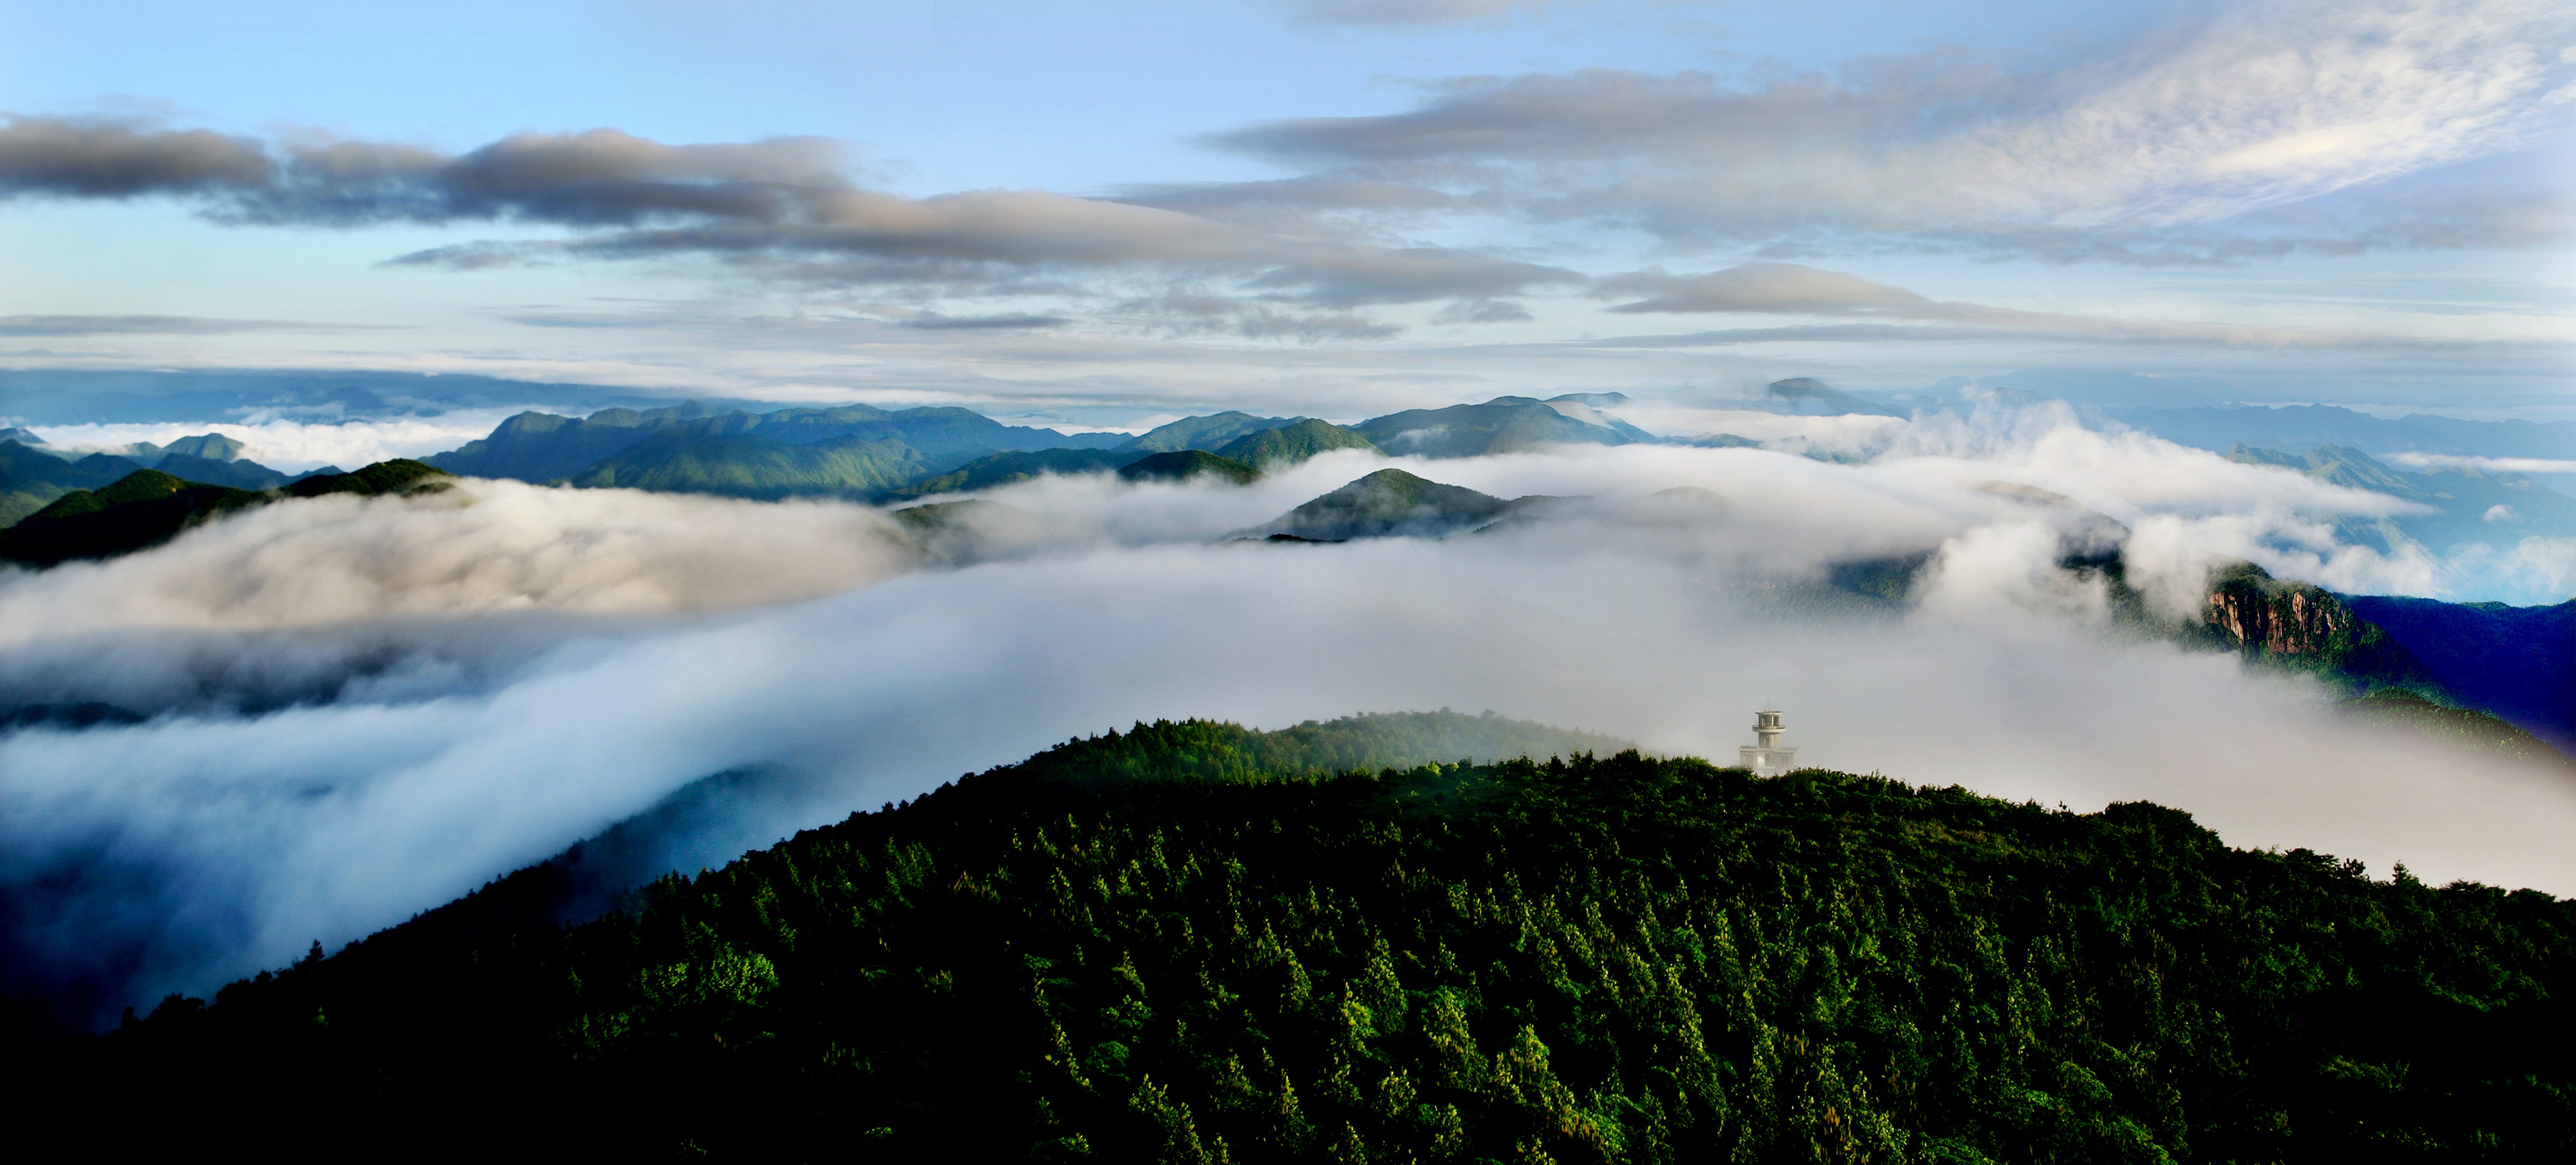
(1768, 759)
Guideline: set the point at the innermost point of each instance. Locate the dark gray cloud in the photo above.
(93, 158)
(783, 205)
(942, 323)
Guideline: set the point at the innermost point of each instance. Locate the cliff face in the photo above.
(2303, 628)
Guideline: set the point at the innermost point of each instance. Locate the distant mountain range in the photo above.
(33, 473)
(2470, 505)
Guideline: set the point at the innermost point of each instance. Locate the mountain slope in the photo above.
(30, 478)
(1208, 433)
(1387, 503)
(995, 469)
(544, 447)
(148, 507)
(1292, 444)
(2518, 662)
(1187, 465)
(850, 466)
(1121, 951)
(1501, 425)
(143, 508)
(231, 471)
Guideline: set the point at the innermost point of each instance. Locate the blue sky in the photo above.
(1334, 207)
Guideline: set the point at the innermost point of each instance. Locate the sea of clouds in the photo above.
(344, 711)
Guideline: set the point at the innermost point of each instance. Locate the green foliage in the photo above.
(1210, 433)
(148, 507)
(2296, 626)
(1293, 443)
(2462, 727)
(1389, 502)
(1504, 424)
(143, 508)
(1019, 465)
(398, 476)
(1186, 464)
(1146, 947)
(756, 467)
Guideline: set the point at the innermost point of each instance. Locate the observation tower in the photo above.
(1767, 758)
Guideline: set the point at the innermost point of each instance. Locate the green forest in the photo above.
(1193, 942)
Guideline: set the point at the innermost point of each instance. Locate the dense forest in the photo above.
(1193, 943)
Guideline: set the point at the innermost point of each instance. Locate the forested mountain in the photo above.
(1500, 425)
(31, 478)
(733, 465)
(1387, 503)
(998, 469)
(231, 471)
(148, 507)
(1209, 433)
(1166, 946)
(2519, 662)
(1187, 465)
(543, 447)
(1291, 444)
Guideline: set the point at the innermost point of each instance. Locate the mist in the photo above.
(338, 713)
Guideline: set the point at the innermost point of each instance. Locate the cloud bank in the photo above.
(2155, 151)
(353, 710)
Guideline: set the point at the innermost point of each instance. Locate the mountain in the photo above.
(2518, 662)
(994, 469)
(31, 478)
(144, 508)
(1208, 433)
(543, 447)
(401, 475)
(233, 472)
(2473, 505)
(1184, 944)
(534, 446)
(850, 466)
(148, 507)
(2309, 426)
(1806, 395)
(1292, 443)
(1387, 503)
(1501, 425)
(2119, 389)
(1186, 465)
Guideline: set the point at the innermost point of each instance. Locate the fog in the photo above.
(353, 710)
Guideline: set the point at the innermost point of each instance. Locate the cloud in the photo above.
(782, 205)
(144, 325)
(362, 709)
(296, 446)
(2156, 151)
(938, 323)
(2482, 464)
(1792, 289)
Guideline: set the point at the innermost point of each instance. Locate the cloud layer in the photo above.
(357, 709)
(2153, 152)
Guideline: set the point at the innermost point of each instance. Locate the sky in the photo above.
(1336, 207)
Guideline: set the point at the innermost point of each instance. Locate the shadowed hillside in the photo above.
(1167, 946)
